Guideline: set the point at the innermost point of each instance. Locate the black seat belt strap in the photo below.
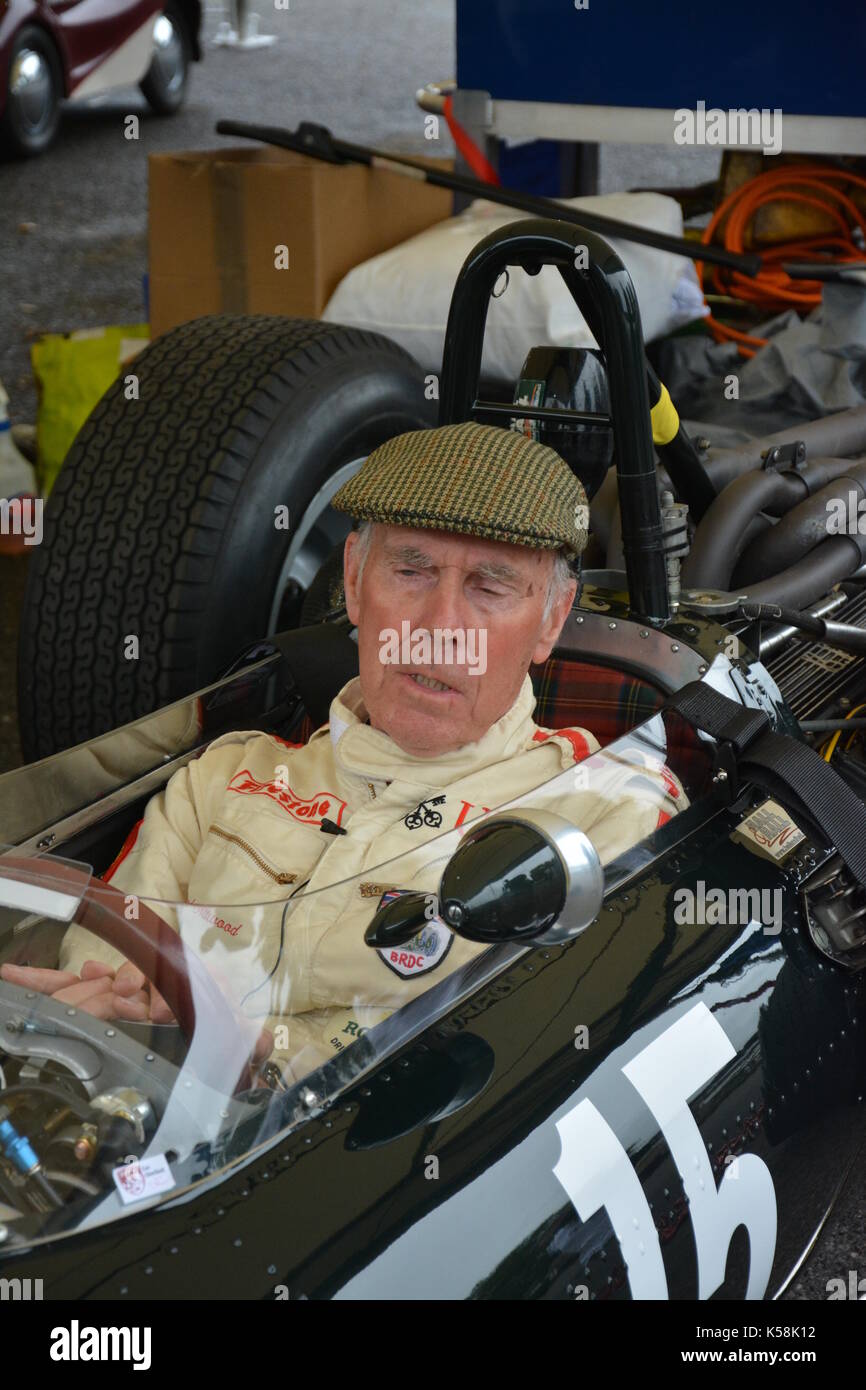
(712, 713)
(789, 769)
(316, 662)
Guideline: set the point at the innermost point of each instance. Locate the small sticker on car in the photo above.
(772, 829)
(143, 1177)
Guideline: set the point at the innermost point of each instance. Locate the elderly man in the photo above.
(457, 579)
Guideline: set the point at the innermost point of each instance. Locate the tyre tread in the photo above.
(135, 523)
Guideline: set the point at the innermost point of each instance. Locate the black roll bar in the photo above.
(605, 295)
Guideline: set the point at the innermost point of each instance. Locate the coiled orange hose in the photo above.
(811, 184)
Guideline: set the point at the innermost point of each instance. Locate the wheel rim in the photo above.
(168, 65)
(318, 531)
(31, 88)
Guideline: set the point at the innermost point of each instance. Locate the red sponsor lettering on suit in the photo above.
(465, 808)
(309, 811)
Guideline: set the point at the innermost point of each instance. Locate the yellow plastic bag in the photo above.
(73, 371)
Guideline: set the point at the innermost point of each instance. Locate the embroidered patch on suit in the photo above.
(308, 812)
(427, 949)
(375, 890)
(422, 815)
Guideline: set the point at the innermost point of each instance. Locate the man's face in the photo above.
(482, 601)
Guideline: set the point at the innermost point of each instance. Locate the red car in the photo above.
(51, 49)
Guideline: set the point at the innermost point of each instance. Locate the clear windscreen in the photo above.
(178, 1037)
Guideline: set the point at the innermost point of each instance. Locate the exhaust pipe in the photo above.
(798, 532)
(840, 434)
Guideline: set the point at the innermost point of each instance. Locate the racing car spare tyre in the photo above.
(192, 512)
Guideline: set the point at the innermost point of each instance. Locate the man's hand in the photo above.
(98, 990)
(122, 994)
(132, 989)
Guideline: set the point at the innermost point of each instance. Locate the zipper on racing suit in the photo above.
(254, 855)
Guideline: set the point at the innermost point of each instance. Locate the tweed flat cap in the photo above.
(477, 479)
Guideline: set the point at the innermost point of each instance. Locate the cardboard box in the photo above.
(217, 217)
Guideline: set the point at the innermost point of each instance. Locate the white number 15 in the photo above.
(596, 1172)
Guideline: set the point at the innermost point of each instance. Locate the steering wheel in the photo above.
(158, 951)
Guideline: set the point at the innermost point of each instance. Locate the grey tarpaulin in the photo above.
(810, 367)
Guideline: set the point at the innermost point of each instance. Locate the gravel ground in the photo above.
(842, 1245)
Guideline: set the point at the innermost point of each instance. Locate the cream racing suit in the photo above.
(241, 829)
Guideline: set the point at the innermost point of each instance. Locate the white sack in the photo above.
(405, 293)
